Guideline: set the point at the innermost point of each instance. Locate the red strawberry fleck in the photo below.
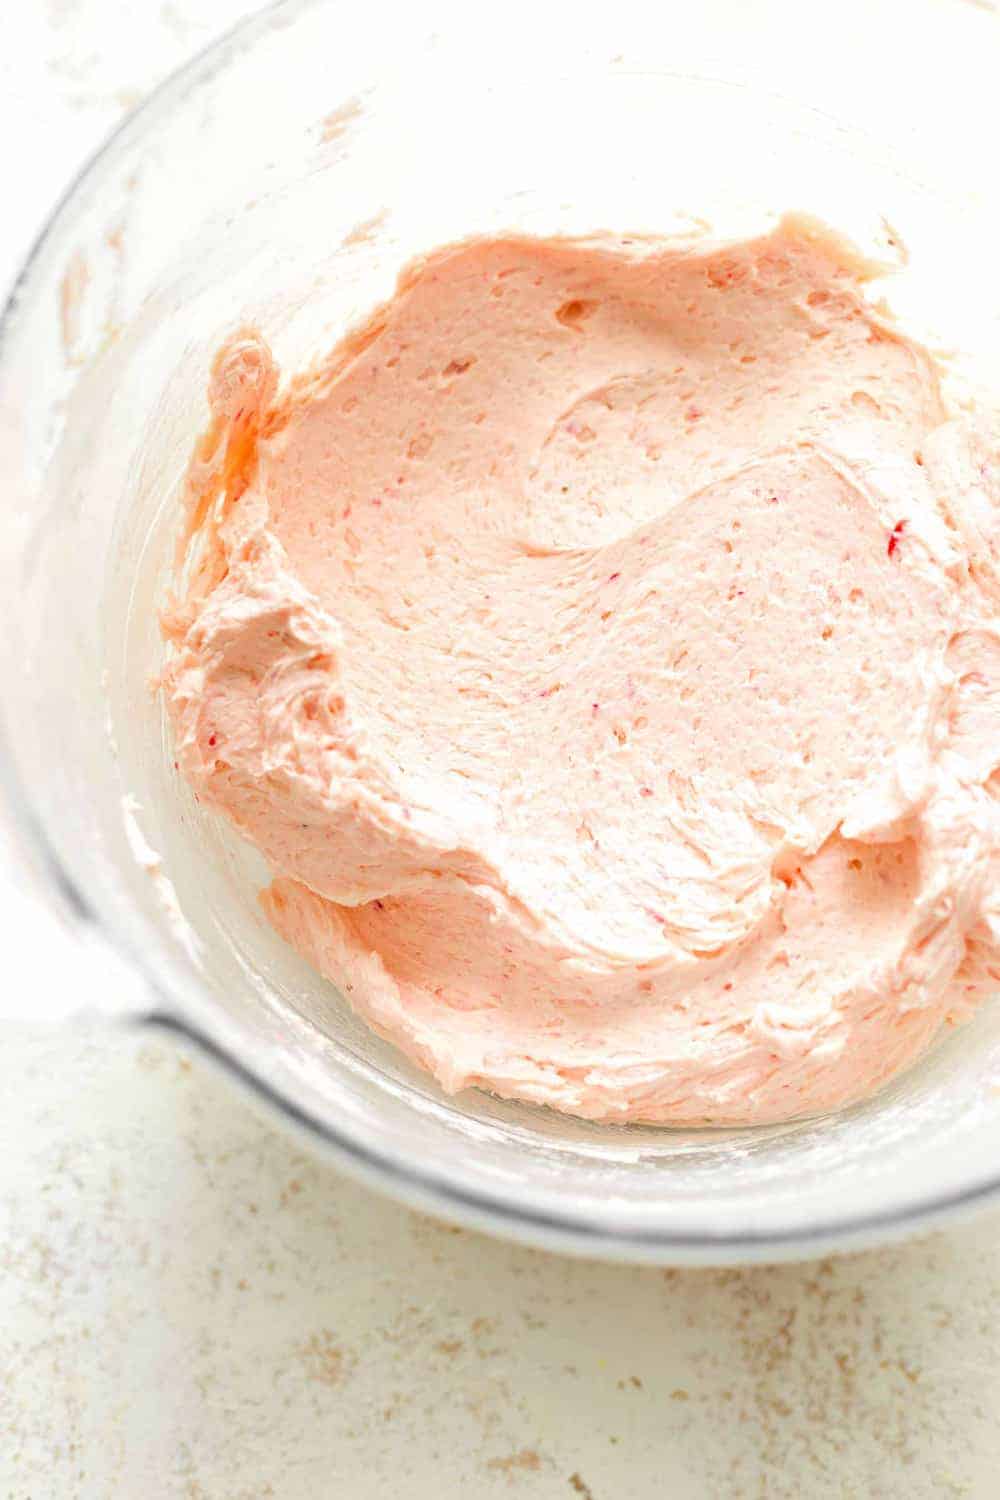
(211, 740)
(895, 536)
(645, 791)
(613, 577)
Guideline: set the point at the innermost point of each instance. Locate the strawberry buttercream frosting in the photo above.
(601, 647)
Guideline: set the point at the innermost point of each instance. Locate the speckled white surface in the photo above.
(191, 1308)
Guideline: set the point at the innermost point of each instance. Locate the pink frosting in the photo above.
(601, 647)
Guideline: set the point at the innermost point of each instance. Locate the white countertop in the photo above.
(189, 1307)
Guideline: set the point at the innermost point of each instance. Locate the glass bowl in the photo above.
(285, 176)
